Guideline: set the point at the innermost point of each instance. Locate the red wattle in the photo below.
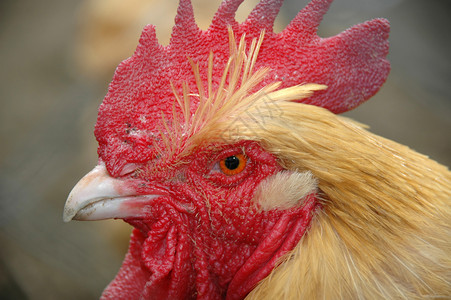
(283, 237)
(170, 260)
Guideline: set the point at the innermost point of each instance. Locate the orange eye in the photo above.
(233, 165)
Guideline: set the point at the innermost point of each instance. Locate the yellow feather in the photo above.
(384, 229)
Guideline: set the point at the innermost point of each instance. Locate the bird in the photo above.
(227, 153)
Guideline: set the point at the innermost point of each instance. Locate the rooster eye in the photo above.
(234, 164)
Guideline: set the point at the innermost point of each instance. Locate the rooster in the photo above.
(225, 152)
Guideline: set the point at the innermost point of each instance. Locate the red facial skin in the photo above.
(206, 238)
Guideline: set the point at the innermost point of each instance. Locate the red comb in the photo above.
(352, 64)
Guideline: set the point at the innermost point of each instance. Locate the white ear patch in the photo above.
(285, 190)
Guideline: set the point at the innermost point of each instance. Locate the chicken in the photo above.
(225, 152)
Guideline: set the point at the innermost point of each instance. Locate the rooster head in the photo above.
(214, 207)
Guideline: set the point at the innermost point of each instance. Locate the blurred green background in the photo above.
(56, 60)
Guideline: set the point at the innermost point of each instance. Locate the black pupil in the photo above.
(232, 162)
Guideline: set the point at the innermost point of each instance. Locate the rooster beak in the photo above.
(99, 196)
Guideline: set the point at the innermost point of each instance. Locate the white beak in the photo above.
(99, 196)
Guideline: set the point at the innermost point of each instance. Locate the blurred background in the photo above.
(57, 58)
